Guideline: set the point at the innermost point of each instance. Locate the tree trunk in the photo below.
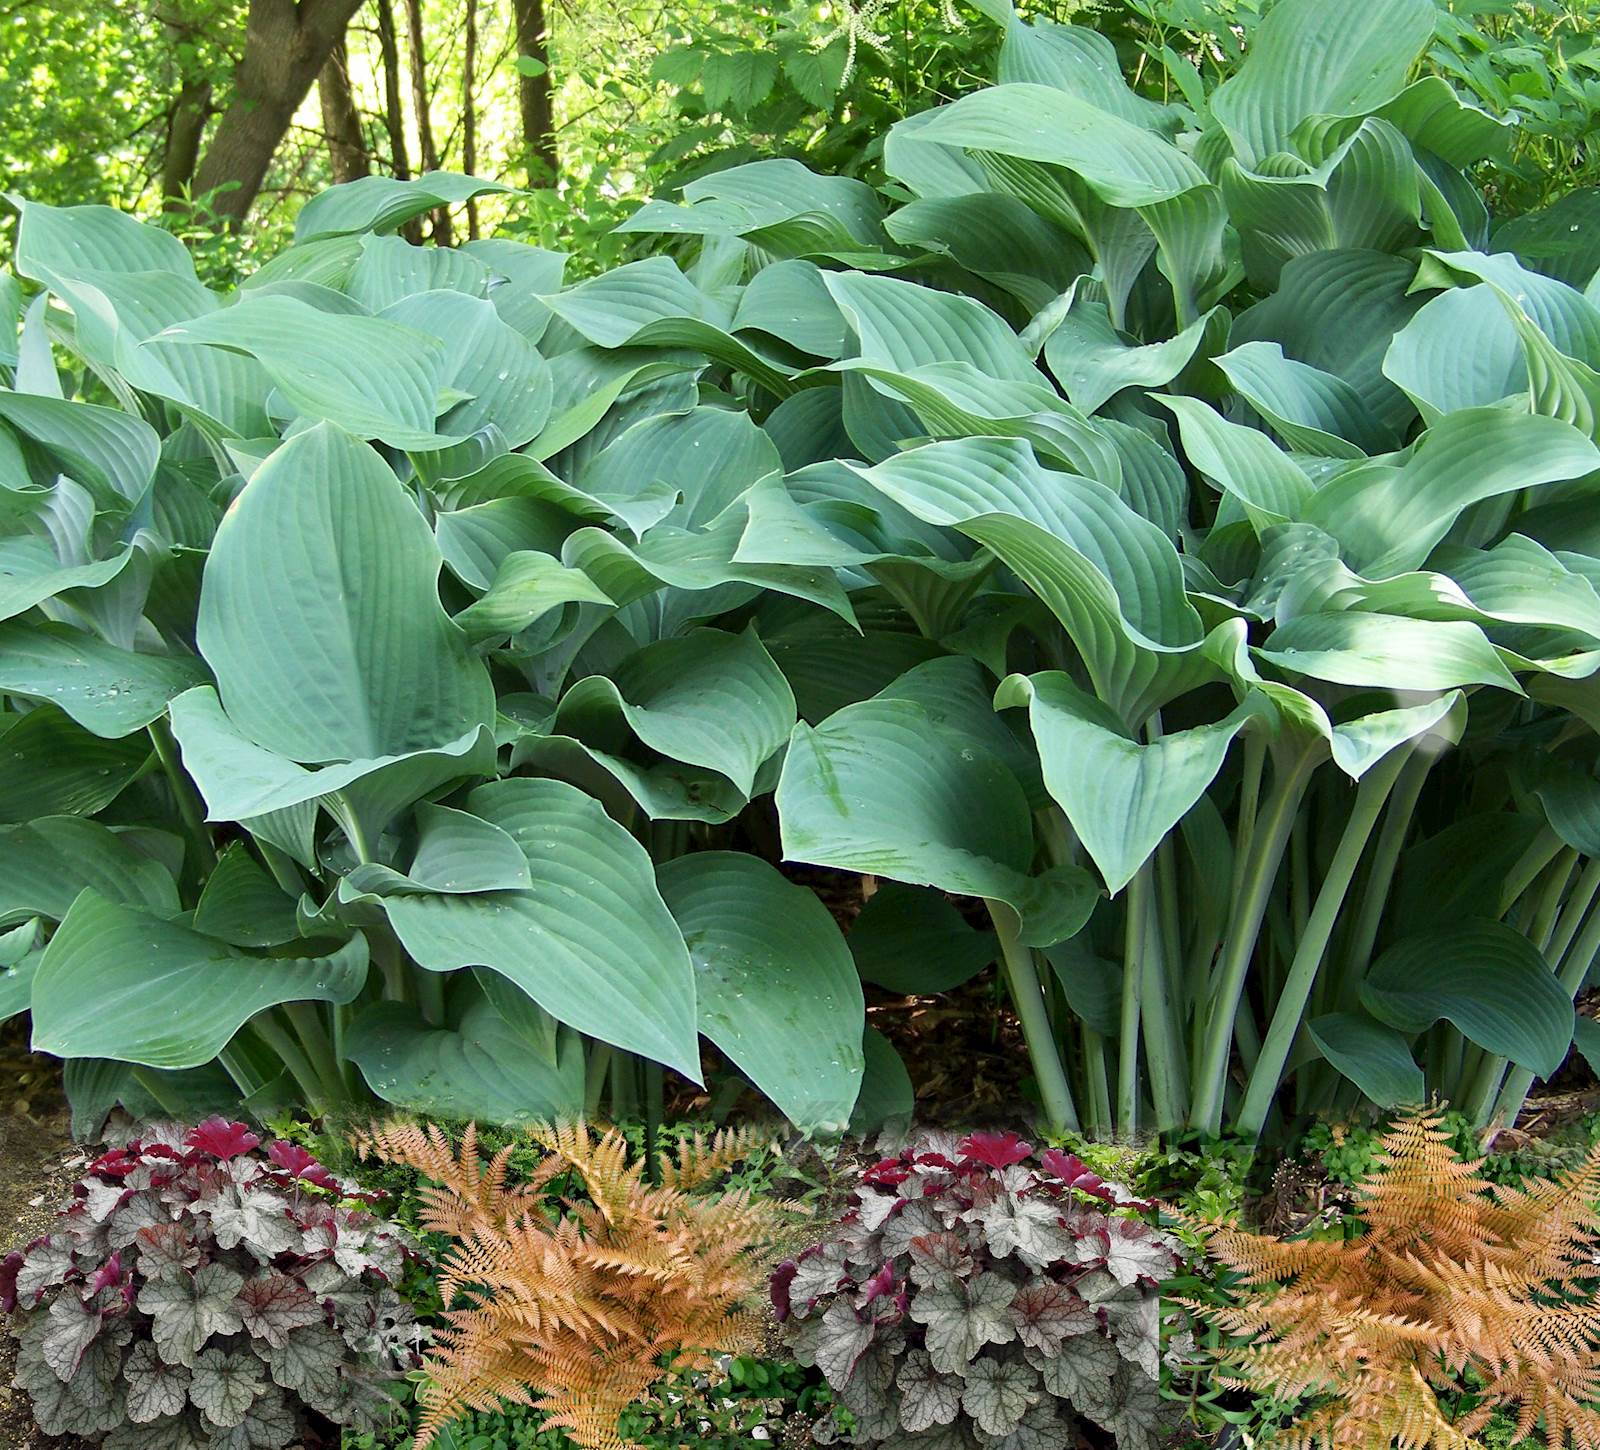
(285, 45)
(394, 115)
(469, 113)
(347, 150)
(419, 103)
(535, 96)
(186, 123)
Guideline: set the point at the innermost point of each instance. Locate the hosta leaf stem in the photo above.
(1312, 946)
(1022, 980)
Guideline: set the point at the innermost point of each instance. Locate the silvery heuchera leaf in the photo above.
(1136, 1417)
(43, 1268)
(33, 1372)
(155, 1388)
(927, 1398)
(271, 1305)
(329, 1284)
(1133, 1318)
(224, 1386)
(100, 1198)
(307, 1363)
(869, 1395)
(818, 1274)
(912, 1222)
(61, 1409)
(962, 1317)
(954, 1436)
(187, 1309)
(1046, 1426)
(166, 1248)
(839, 1342)
(1136, 1251)
(1046, 1312)
(999, 1393)
(141, 1211)
(357, 1249)
(268, 1425)
(72, 1327)
(937, 1256)
(874, 1207)
(1028, 1227)
(1080, 1371)
(176, 1432)
(254, 1217)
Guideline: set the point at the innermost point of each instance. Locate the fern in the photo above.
(1451, 1276)
(572, 1312)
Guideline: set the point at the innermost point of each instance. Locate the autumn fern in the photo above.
(1451, 1276)
(570, 1305)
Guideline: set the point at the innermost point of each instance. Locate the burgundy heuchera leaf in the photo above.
(223, 1139)
(997, 1150)
(296, 1161)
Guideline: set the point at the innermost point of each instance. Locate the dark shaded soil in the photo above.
(38, 1165)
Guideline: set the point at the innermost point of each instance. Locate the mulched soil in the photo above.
(39, 1163)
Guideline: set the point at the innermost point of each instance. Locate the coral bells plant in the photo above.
(978, 1293)
(200, 1294)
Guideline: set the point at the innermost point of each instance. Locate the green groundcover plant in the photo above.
(1167, 522)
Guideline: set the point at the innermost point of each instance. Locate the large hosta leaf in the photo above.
(876, 789)
(51, 766)
(1312, 59)
(120, 983)
(320, 614)
(910, 940)
(707, 698)
(383, 203)
(51, 859)
(1488, 980)
(777, 990)
(1388, 652)
(491, 1068)
(1122, 797)
(109, 691)
(1374, 1056)
(590, 940)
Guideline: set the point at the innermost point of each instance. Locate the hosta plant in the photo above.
(977, 1293)
(198, 1293)
(1167, 521)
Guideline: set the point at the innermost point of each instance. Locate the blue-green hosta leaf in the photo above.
(388, 269)
(1310, 59)
(120, 983)
(1121, 797)
(776, 987)
(708, 698)
(1365, 193)
(374, 378)
(489, 1068)
(519, 277)
(242, 905)
(1125, 165)
(506, 383)
(384, 203)
(320, 615)
(1388, 518)
(1244, 462)
(51, 766)
(665, 790)
(707, 457)
(98, 238)
(109, 691)
(526, 587)
(1357, 745)
(887, 1098)
(1387, 652)
(243, 781)
(1375, 1057)
(17, 973)
(902, 327)
(1459, 351)
(1080, 61)
(1558, 240)
(788, 300)
(50, 859)
(996, 237)
(1486, 979)
(590, 940)
(1570, 796)
(31, 572)
(875, 788)
(1339, 311)
(912, 940)
(1092, 362)
(110, 453)
(1312, 411)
